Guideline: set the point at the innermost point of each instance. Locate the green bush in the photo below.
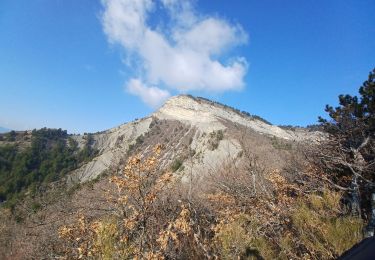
(280, 144)
(176, 164)
(215, 138)
(139, 140)
(11, 136)
(35, 206)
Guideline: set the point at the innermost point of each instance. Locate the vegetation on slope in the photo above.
(157, 217)
(50, 156)
(245, 212)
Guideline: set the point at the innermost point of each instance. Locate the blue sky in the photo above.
(76, 65)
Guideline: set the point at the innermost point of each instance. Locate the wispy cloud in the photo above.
(187, 54)
(152, 96)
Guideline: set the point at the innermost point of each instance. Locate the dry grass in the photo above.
(240, 238)
(323, 228)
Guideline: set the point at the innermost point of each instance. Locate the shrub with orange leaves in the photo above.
(138, 189)
(232, 217)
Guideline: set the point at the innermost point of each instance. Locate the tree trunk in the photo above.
(369, 230)
(355, 197)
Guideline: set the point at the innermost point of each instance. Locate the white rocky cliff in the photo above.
(199, 115)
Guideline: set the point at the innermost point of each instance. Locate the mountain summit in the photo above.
(211, 130)
(208, 115)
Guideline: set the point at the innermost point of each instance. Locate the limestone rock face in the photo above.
(207, 115)
(112, 145)
(202, 120)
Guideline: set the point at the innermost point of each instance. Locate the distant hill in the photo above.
(4, 130)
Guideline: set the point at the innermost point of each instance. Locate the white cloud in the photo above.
(152, 96)
(188, 55)
(211, 36)
(181, 12)
(124, 21)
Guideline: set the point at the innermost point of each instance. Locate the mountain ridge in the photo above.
(4, 130)
(200, 119)
(214, 131)
(203, 113)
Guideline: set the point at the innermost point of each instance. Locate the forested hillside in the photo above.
(28, 160)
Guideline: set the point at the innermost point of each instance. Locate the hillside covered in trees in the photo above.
(29, 160)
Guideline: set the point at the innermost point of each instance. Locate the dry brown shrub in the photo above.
(228, 216)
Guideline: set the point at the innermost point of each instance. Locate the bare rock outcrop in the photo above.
(213, 142)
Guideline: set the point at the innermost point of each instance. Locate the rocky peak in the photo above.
(209, 116)
(200, 118)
